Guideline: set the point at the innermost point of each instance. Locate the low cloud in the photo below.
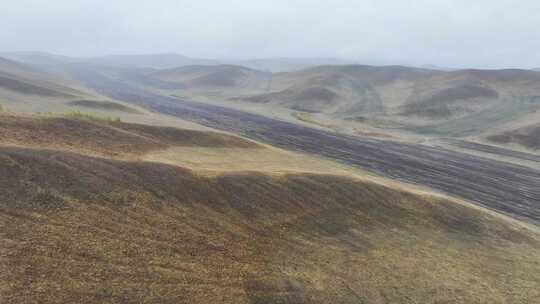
(454, 33)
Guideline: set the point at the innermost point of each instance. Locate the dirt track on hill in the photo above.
(505, 187)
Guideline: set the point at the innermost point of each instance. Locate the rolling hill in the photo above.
(157, 61)
(39, 58)
(38, 88)
(97, 137)
(528, 137)
(406, 91)
(439, 103)
(84, 219)
(393, 101)
(20, 79)
(277, 65)
(212, 78)
(335, 89)
(171, 60)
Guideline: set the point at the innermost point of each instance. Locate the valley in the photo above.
(498, 185)
(130, 185)
(269, 152)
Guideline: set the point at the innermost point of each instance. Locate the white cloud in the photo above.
(457, 33)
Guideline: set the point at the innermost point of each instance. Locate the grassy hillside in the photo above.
(528, 137)
(429, 102)
(409, 92)
(102, 105)
(15, 67)
(39, 58)
(133, 232)
(160, 61)
(13, 84)
(212, 79)
(26, 80)
(277, 65)
(96, 135)
(80, 224)
(340, 88)
(25, 88)
(377, 99)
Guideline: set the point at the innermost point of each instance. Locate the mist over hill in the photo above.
(270, 152)
(203, 216)
(172, 60)
(428, 101)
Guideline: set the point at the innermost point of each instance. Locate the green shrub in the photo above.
(93, 117)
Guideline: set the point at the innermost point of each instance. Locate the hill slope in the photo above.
(336, 89)
(277, 65)
(100, 138)
(412, 92)
(22, 79)
(439, 103)
(392, 100)
(219, 78)
(158, 61)
(528, 137)
(39, 58)
(32, 88)
(107, 228)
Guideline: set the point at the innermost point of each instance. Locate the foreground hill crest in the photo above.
(83, 228)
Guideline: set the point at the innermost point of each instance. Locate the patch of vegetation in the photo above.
(443, 104)
(528, 137)
(308, 117)
(92, 117)
(103, 105)
(109, 136)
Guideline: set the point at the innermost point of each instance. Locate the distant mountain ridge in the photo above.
(215, 78)
(458, 103)
(21, 79)
(157, 61)
(39, 58)
(172, 60)
(428, 100)
(284, 64)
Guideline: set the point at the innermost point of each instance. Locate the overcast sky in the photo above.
(453, 33)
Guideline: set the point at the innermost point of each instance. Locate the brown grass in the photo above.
(103, 136)
(527, 137)
(308, 117)
(269, 160)
(28, 88)
(81, 229)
